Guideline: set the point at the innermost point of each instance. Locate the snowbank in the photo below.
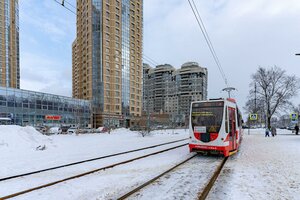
(20, 155)
(19, 138)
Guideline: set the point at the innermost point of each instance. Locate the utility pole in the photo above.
(255, 111)
(148, 88)
(255, 97)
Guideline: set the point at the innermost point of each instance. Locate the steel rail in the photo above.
(154, 179)
(203, 194)
(88, 160)
(86, 173)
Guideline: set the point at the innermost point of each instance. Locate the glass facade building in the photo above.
(9, 44)
(23, 107)
(107, 59)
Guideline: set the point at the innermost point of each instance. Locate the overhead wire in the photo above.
(149, 61)
(63, 5)
(217, 59)
(153, 61)
(207, 39)
(70, 4)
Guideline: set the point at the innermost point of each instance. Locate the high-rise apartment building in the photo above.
(107, 59)
(9, 44)
(171, 91)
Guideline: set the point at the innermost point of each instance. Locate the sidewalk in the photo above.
(264, 168)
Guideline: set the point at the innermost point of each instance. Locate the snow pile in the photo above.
(18, 138)
(121, 131)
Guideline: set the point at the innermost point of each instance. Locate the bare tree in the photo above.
(144, 132)
(296, 109)
(274, 90)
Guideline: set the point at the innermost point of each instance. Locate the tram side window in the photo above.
(239, 118)
(231, 115)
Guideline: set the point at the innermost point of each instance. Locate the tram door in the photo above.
(232, 128)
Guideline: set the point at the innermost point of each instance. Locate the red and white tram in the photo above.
(215, 126)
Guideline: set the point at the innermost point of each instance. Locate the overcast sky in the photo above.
(245, 35)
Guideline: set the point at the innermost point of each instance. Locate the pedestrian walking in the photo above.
(273, 131)
(267, 132)
(297, 129)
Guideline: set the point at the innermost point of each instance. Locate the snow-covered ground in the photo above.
(19, 155)
(264, 168)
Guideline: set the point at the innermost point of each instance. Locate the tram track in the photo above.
(93, 171)
(88, 160)
(201, 196)
(154, 179)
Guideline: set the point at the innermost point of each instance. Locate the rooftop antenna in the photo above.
(229, 89)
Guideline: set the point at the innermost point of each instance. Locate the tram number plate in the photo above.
(200, 129)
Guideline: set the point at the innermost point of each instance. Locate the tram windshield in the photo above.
(207, 116)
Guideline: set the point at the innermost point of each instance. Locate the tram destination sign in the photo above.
(208, 104)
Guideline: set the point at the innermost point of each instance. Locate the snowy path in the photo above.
(265, 168)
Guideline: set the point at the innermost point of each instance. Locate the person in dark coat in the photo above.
(273, 131)
(267, 132)
(297, 129)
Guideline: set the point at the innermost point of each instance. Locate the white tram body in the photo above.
(215, 126)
